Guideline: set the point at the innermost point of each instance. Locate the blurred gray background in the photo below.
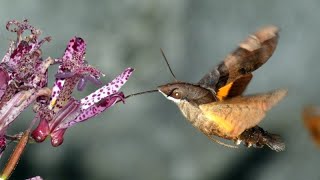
(148, 138)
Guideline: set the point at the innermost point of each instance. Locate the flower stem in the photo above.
(15, 156)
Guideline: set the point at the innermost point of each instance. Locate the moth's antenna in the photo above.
(165, 58)
(140, 93)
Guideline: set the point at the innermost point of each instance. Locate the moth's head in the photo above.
(180, 91)
(173, 91)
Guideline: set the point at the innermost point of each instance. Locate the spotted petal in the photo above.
(57, 87)
(13, 108)
(10, 111)
(95, 109)
(73, 56)
(111, 88)
(4, 79)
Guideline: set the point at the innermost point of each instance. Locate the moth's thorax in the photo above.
(199, 120)
(190, 111)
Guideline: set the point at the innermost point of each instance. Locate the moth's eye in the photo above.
(176, 95)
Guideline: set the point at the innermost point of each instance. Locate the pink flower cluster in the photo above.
(24, 82)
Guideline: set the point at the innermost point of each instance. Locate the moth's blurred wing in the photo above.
(233, 116)
(249, 56)
(235, 88)
(311, 117)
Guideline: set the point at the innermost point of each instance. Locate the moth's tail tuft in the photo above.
(258, 137)
(275, 142)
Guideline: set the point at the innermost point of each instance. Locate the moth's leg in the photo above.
(213, 139)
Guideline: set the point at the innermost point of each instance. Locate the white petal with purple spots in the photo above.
(94, 110)
(107, 90)
(56, 89)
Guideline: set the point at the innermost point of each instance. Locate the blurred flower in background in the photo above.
(311, 119)
(35, 178)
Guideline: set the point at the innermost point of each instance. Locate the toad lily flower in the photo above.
(72, 70)
(22, 66)
(64, 111)
(23, 75)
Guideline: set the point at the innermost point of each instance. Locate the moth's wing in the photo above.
(235, 88)
(233, 116)
(311, 117)
(252, 53)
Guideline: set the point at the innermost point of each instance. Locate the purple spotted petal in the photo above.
(58, 134)
(107, 90)
(72, 71)
(73, 57)
(4, 79)
(69, 112)
(57, 87)
(95, 109)
(39, 78)
(35, 46)
(23, 60)
(20, 26)
(75, 50)
(22, 50)
(10, 111)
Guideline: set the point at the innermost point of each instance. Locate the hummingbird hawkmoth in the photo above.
(216, 105)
